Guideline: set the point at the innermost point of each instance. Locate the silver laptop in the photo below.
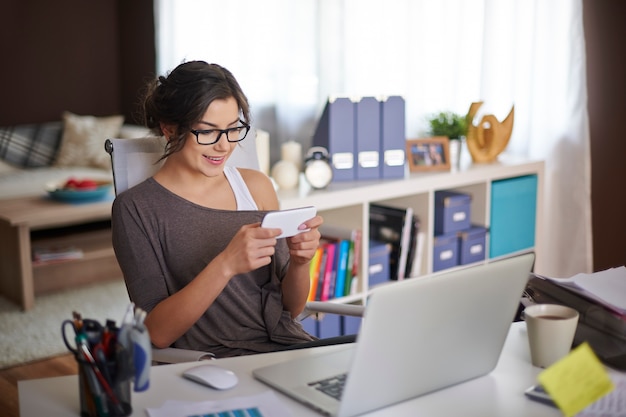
(417, 336)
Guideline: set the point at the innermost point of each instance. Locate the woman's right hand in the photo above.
(251, 248)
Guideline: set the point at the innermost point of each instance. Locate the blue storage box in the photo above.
(472, 245)
(329, 325)
(351, 324)
(310, 325)
(513, 215)
(445, 251)
(452, 212)
(378, 271)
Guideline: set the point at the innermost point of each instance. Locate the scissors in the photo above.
(91, 328)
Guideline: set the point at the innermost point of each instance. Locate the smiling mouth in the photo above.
(214, 158)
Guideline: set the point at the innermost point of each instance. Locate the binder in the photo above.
(392, 137)
(367, 125)
(393, 225)
(335, 132)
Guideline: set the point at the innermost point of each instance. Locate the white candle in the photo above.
(285, 173)
(263, 150)
(292, 151)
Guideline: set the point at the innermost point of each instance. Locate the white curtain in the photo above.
(289, 56)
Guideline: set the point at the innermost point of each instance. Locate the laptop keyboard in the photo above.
(332, 386)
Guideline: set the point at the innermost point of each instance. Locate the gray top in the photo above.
(163, 241)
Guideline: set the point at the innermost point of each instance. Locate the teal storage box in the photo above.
(445, 252)
(452, 212)
(513, 215)
(472, 245)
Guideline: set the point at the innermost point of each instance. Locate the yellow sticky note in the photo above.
(577, 380)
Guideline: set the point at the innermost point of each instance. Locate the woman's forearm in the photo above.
(295, 288)
(173, 316)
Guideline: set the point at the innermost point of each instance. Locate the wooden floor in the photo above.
(58, 366)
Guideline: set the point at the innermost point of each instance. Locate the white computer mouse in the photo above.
(212, 376)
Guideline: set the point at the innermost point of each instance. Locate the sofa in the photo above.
(34, 155)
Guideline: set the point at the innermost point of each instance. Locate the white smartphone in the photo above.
(289, 220)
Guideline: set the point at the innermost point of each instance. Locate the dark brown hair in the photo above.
(181, 99)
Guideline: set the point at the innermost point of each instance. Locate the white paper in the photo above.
(607, 287)
(611, 405)
(265, 404)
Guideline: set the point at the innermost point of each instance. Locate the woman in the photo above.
(189, 240)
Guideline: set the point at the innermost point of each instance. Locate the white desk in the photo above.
(501, 393)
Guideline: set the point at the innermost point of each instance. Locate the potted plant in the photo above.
(449, 124)
(452, 125)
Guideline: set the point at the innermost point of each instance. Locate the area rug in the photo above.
(36, 334)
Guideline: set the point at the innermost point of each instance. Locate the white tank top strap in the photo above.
(240, 189)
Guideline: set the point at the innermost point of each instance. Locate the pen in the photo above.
(81, 342)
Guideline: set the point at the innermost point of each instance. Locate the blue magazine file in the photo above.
(368, 138)
(392, 137)
(335, 132)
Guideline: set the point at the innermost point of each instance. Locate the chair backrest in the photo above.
(134, 160)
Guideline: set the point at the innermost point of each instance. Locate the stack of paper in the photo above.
(607, 287)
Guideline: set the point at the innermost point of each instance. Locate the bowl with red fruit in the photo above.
(79, 189)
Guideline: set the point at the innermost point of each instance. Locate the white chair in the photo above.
(134, 160)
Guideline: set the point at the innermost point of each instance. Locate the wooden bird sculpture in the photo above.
(490, 137)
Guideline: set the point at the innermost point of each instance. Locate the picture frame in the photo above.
(428, 154)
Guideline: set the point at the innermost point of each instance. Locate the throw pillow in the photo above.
(30, 145)
(83, 139)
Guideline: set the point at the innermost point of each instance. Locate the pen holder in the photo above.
(104, 398)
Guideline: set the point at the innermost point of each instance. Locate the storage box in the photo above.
(472, 245)
(445, 251)
(329, 325)
(513, 215)
(452, 212)
(351, 325)
(379, 253)
(310, 325)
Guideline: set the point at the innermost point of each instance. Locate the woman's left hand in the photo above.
(302, 246)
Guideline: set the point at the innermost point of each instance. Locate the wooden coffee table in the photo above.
(29, 221)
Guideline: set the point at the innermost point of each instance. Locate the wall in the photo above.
(88, 57)
(606, 72)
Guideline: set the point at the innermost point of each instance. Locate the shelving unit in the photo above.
(29, 221)
(347, 203)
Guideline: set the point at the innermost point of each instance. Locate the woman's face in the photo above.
(211, 159)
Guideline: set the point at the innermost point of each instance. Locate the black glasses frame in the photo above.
(226, 132)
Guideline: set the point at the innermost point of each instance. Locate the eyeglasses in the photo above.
(212, 136)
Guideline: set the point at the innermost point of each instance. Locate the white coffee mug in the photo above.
(551, 330)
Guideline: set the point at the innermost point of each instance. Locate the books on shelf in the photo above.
(398, 227)
(51, 254)
(334, 268)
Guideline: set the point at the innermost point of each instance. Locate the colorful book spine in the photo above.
(328, 273)
(314, 273)
(342, 267)
(321, 275)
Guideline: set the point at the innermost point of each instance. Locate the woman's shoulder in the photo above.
(261, 188)
(145, 190)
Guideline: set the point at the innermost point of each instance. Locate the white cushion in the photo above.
(82, 144)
